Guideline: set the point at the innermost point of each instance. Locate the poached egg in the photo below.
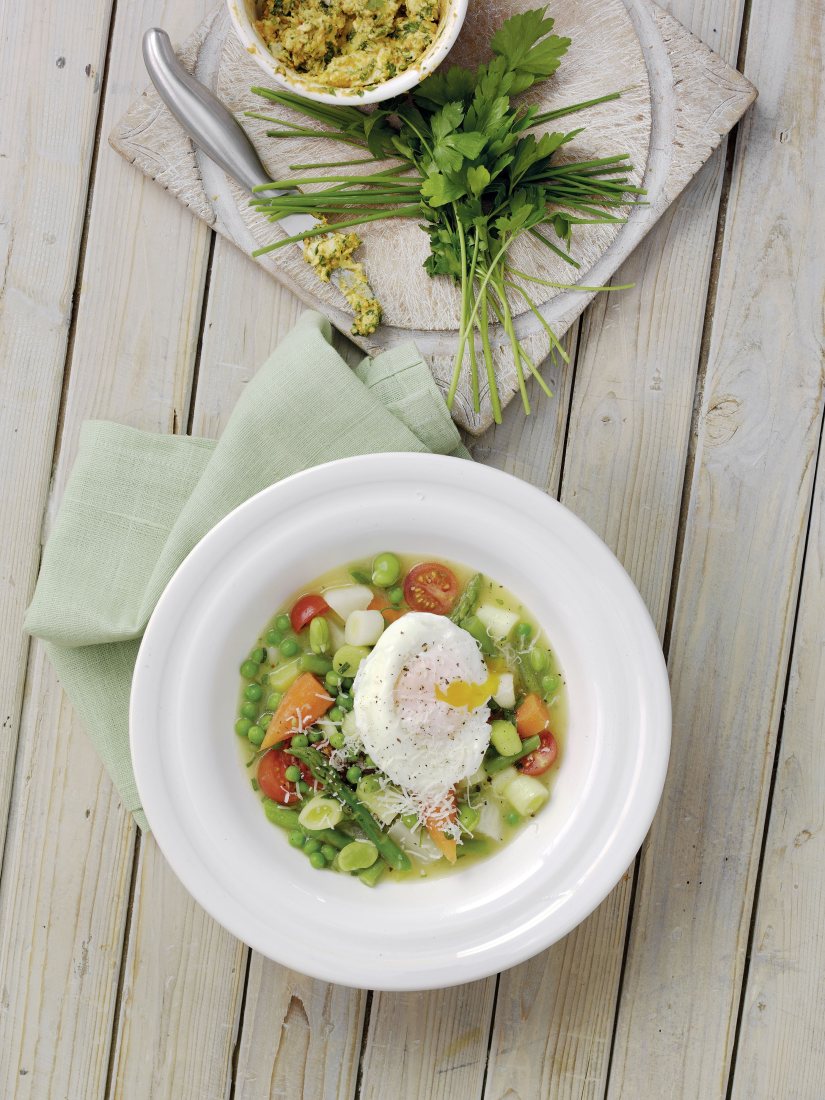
(421, 707)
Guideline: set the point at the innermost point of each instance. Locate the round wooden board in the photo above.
(605, 56)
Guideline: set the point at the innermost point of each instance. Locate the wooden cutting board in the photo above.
(678, 101)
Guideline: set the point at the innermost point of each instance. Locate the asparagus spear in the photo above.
(468, 600)
(319, 767)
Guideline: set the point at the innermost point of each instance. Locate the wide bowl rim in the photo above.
(625, 843)
(455, 11)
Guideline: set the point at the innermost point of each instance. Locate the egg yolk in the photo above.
(461, 694)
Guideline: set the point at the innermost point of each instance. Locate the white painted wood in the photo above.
(182, 980)
(696, 99)
(65, 884)
(300, 1037)
(624, 463)
(63, 901)
(428, 1046)
(48, 109)
(174, 946)
(757, 436)
(781, 1043)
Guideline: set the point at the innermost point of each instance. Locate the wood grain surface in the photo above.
(686, 433)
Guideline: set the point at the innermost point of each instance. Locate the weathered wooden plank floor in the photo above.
(688, 434)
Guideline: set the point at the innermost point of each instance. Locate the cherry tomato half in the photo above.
(431, 587)
(542, 758)
(272, 777)
(305, 610)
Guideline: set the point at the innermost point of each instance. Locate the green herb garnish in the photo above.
(472, 171)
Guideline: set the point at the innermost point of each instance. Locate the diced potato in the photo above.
(336, 634)
(498, 621)
(526, 794)
(502, 780)
(285, 676)
(364, 627)
(489, 821)
(348, 598)
(505, 694)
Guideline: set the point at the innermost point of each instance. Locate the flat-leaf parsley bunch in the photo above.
(471, 166)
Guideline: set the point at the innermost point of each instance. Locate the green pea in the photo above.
(253, 692)
(512, 818)
(299, 741)
(256, 735)
(353, 774)
(296, 838)
(370, 785)
(315, 736)
(346, 683)
(345, 702)
(273, 700)
(249, 710)
(396, 595)
(386, 569)
(242, 727)
(332, 680)
(328, 852)
(319, 636)
(311, 846)
(273, 637)
(410, 820)
(302, 788)
(336, 715)
(549, 685)
(524, 630)
(250, 669)
(539, 659)
(257, 655)
(289, 647)
(283, 623)
(293, 773)
(317, 860)
(337, 739)
(468, 817)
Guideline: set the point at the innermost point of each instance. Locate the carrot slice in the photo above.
(532, 717)
(447, 845)
(388, 611)
(303, 704)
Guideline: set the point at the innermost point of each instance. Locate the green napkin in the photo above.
(136, 503)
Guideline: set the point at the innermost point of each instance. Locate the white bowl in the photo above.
(408, 935)
(243, 16)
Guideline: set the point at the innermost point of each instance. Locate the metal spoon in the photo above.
(213, 128)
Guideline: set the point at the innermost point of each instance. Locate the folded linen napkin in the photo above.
(136, 503)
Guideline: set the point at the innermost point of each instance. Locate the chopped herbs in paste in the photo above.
(348, 43)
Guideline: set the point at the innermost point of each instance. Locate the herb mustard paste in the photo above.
(333, 252)
(348, 43)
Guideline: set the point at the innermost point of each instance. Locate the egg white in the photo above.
(422, 743)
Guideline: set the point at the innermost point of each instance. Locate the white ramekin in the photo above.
(243, 16)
